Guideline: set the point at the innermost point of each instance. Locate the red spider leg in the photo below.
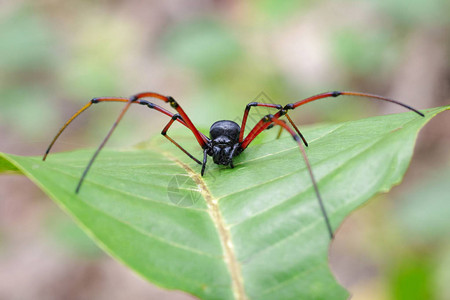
(296, 129)
(259, 127)
(164, 133)
(202, 139)
(338, 93)
(247, 110)
(269, 119)
(277, 106)
(97, 100)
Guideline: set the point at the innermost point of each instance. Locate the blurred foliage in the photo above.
(411, 280)
(35, 116)
(424, 211)
(362, 53)
(281, 10)
(22, 72)
(204, 45)
(20, 32)
(441, 276)
(421, 263)
(409, 14)
(90, 63)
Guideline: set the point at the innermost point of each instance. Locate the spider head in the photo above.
(221, 154)
(224, 136)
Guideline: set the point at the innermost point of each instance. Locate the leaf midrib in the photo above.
(224, 234)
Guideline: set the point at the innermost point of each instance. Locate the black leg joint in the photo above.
(95, 100)
(176, 116)
(133, 98)
(289, 106)
(336, 93)
(145, 102)
(268, 118)
(172, 102)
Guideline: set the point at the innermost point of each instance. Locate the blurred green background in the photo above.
(214, 57)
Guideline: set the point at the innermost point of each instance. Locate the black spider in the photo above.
(226, 139)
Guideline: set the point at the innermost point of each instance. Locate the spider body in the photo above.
(226, 137)
(224, 144)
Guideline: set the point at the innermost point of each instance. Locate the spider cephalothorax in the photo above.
(226, 137)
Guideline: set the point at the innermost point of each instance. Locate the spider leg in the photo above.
(279, 132)
(98, 100)
(164, 133)
(295, 127)
(264, 123)
(233, 151)
(205, 156)
(261, 125)
(86, 170)
(339, 93)
(277, 106)
(201, 138)
(247, 110)
(258, 128)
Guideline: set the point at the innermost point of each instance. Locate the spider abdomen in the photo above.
(225, 128)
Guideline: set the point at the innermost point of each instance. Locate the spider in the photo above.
(226, 139)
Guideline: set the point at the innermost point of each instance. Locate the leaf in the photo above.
(252, 232)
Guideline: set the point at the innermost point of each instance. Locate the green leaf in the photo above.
(252, 232)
